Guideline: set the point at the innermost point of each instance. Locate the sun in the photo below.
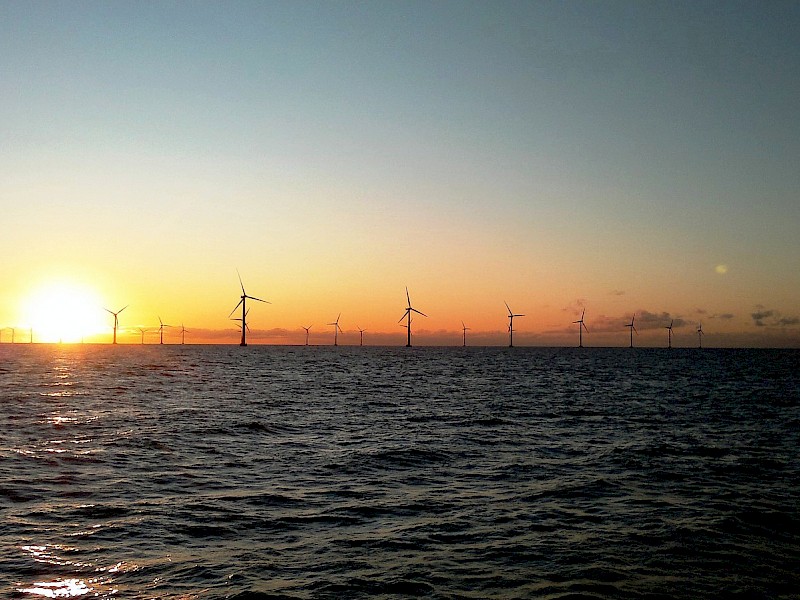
(63, 311)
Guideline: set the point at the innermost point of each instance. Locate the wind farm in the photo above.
(381, 337)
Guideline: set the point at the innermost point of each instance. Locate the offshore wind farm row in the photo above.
(405, 321)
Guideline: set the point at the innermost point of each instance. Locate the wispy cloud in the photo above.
(617, 292)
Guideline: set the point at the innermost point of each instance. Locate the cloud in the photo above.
(721, 269)
(723, 316)
(761, 315)
(617, 292)
(575, 307)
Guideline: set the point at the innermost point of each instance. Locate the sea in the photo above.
(294, 472)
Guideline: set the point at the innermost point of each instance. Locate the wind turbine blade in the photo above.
(508, 307)
(408, 297)
(419, 312)
(405, 315)
(237, 306)
(257, 299)
(585, 327)
(240, 282)
(583, 313)
(634, 328)
(108, 311)
(123, 308)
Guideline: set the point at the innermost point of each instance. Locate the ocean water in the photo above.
(204, 472)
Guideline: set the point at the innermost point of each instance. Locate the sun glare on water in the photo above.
(64, 312)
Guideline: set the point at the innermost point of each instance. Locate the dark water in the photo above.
(276, 472)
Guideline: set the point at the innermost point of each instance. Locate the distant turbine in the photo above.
(116, 320)
(161, 329)
(465, 328)
(633, 328)
(511, 316)
(361, 331)
(700, 335)
(669, 333)
(336, 330)
(242, 320)
(407, 317)
(13, 333)
(581, 327)
(31, 340)
(143, 331)
(184, 331)
(242, 303)
(307, 330)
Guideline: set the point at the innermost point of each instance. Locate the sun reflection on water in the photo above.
(61, 588)
(71, 587)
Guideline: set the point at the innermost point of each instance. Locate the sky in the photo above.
(622, 158)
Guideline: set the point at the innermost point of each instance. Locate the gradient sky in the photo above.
(618, 156)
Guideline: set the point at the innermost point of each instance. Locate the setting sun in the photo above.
(63, 312)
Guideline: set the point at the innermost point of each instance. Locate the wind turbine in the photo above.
(336, 330)
(143, 331)
(511, 316)
(465, 329)
(13, 333)
(161, 329)
(243, 303)
(307, 330)
(116, 320)
(700, 336)
(31, 339)
(361, 332)
(669, 333)
(633, 328)
(184, 331)
(407, 317)
(581, 327)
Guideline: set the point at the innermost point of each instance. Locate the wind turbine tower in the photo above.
(633, 328)
(700, 335)
(511, 316)
(116, 320)
(243, 304)
(307, 330)
(669, 333)
(407, 317)
(336, 330)
(465, 329)
(143, 331)
(581, 327)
